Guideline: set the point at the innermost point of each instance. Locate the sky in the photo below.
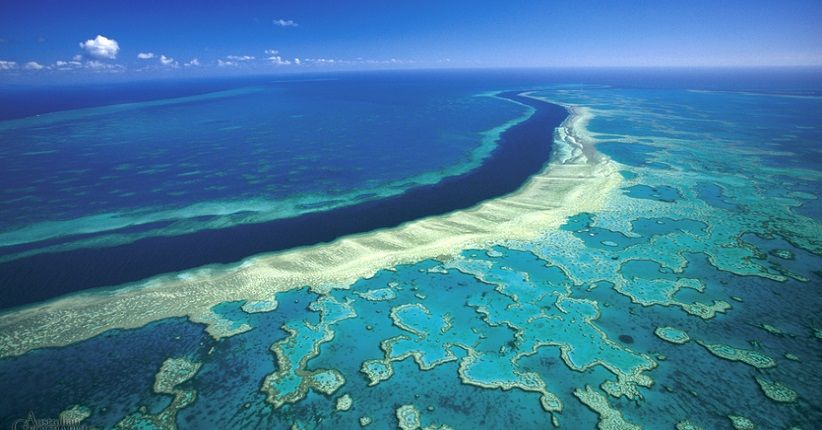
(54, 40)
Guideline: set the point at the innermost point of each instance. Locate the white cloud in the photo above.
(90, 65)
(101, 47)
(145, 55)
(323, 60)
(285, 23)
(93, 65)
(275, 58)
(167, 60)
(99, 65)
(66, 65)
(33, 65)
(356, 61)
(234, 60)
(297, 61)
(8, 65)
(193, 62)
(389, 61)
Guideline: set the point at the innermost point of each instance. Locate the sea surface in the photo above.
(688, 297)
(111, 175)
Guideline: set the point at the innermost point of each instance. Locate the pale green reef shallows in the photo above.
(609, 418)
(741, 423)
(174, 372)
(776, 391)
(672, 335)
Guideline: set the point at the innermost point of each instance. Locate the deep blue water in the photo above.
(256, 145)
(522, 151)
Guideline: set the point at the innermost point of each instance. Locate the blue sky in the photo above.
(50, 39)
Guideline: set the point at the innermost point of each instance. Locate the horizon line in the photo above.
(92, 78)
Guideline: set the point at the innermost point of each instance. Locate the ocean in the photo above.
(471, 249)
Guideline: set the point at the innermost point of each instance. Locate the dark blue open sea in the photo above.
(613, 249)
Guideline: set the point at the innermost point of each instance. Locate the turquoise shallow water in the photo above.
(715, 231)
